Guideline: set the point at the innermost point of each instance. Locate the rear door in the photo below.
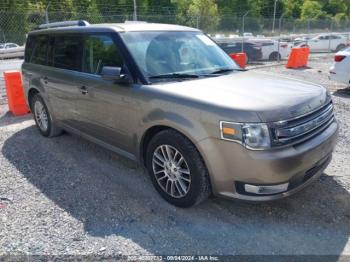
(34, 67)
(62, 80)
(318, 44)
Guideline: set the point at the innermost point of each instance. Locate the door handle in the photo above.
(84, 90)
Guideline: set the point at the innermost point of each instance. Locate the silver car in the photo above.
(168, 97)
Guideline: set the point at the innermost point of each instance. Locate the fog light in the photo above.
(266, 190)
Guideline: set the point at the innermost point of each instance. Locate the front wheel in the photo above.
(177, 170)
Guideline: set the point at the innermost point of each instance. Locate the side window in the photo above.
(66, 52)
(40, 48)
(100, 51)
(267, 44)
(29, 48)
(10, 46)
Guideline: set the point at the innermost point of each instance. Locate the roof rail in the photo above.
(64, 24)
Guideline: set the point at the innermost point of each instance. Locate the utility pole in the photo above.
(243, 18)
(280, 22)
(135, 11)
(274, 16)
(47, 13)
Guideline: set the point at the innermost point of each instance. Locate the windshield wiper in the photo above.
(224, 70)
(175, 75)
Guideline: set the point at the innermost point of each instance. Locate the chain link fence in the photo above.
(261, 38)
(273, 37)
(15, 25)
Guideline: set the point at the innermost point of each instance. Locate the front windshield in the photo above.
(171, 53)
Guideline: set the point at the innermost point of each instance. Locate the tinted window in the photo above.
(267, 44)
(100, 51)
(40, 48)
(67, 52)
(29, 48)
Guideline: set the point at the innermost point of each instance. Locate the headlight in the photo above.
(254, 136)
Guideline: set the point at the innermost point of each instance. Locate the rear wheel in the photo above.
(43, 118)
(274, 56)
(177, 170)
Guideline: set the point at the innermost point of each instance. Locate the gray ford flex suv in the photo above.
(168, 97)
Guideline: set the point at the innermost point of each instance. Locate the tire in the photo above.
(194, 186)
(274, 56)
(340, 47)
(50, 129)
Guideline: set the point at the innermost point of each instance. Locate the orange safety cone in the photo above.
(293, 58)
(298, 57)
(240, 59)
(15, 96)
(305, 56)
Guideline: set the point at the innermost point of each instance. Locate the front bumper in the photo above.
(231, 165)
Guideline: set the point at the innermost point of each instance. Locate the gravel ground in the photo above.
(68, 196)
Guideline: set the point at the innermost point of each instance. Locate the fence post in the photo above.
(329, 40)
(47, 13)
(243, 17)
(279, 37)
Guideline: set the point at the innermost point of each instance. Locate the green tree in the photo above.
(198, 13)
(311, 10)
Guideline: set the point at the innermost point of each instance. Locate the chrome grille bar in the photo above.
(297, 131)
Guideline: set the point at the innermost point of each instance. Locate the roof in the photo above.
(143, 26)
(119, 27)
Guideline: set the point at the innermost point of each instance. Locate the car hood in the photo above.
(272, 97)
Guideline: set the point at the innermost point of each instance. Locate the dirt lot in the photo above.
(68, 196)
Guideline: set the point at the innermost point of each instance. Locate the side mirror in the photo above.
(112, 73)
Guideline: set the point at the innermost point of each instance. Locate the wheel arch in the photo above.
(154, 130)
(31, 93)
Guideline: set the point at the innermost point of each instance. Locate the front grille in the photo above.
(302, 128)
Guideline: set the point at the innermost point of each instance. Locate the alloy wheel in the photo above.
(41, 115)
(171, 171)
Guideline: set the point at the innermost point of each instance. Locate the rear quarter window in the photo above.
(37, 51)
(29, 48)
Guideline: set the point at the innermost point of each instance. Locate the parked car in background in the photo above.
(270, 50)
(302, 39)
(248, 34)
(340, 71)
(168, 97)
(252, 50)
(11, 50)
(325, 42)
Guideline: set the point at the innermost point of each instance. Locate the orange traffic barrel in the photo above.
(240, 59)
(298, 57)
(15, 95)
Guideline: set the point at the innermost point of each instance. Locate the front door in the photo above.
(105, 110)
